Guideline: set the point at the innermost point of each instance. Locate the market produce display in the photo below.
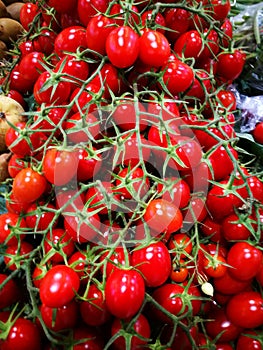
(133, 213)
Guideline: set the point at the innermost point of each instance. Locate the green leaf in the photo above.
(248, 143)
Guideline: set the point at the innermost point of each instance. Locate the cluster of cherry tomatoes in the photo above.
(131, 221)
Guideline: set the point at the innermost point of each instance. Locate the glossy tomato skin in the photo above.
(230, 65)
(228, 285)
(31, 65)
(20, 145)
(80, 129)
(82, 231)
(11, 223)
(59, 167)
(132, 183)
(124, 293)
(178, 76)
(222, 202)
(154, 257)
(58, 239)
(16, 254)
(19, 83)
(189, 44)
(178, 20)
(70, 39)
(28, 185)
(122, 47)
(167, 296)
(141, 327)
(94, 311)
(59, 286)
(66, 316)
(245, 261)
(114, 260)
(249, 340)
(246, 309)
(87, 9)
(163, 217)
(98, 29)
(76, 68)
(88, 164)
(179, 193)
(45, 41)
(221, 324)
(44, 93)
(233, 229)
(27, 14)
(24, 335)
(154, 48)
(258, 132)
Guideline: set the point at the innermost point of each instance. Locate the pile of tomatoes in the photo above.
(132, 221)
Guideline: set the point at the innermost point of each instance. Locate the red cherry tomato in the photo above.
(59, 286)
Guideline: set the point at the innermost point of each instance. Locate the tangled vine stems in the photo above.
(128, 224)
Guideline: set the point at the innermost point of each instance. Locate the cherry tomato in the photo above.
(76, 70)
(70, 40)
(44, 42)
(178, 20)
(83, 226)
(28, 185)
(122, 47)
(221, 201)
(87, 338)
(27, 14)
(154, 48)
(94, 311)
(169, 297)
(125, 109)
(124, 293)
(230, 64)
(11, 228)
(177, 77)
(47, 92)
(82, 128)
(59, 167)
(59, 286)
(66, 316)
(156, 20)
(87, 9)
(22, 140)
(131, 183)
(163, 217)
(221, 324)
(189, 44)
(89, 164)
(180, 245)
(24, 335)
(153, 257)
(140, 327)
(17, 254)
(249, 340)
(98, 29)
(234, 229)
(58, 240)
(114, 260)
(228, 285)
(244, 260)
(246, 309)
(31, 65)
